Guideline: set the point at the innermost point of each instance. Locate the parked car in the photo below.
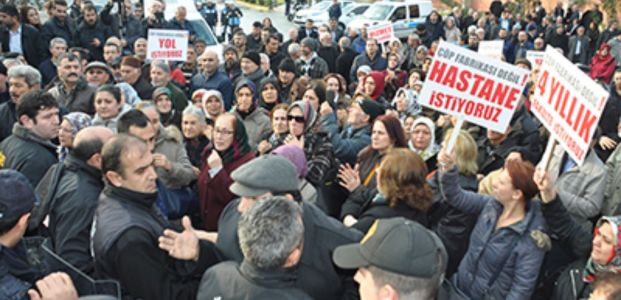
(404, 15)
(352, 12)
(318, 12)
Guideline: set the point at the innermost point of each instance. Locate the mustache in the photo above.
(73, 74)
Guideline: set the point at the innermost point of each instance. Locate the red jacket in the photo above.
(214, 194)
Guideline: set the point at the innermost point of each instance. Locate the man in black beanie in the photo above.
(251, 68)
(286, 75)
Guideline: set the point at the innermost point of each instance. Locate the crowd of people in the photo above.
(295, 165)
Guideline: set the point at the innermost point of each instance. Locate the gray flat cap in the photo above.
(267, 173)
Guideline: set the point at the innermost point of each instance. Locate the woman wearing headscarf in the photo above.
(129, 94)
(213, 105)
(296, 156)
(162, 97)
(255, 119)
(374, 87)
(405, 104)
(603, 64)
(228, 150)
(69, 127)
(594, 253)
(193, 127)
(423, 141)
(452, 34)
(269, 92)
(394, 77)
(318, 149)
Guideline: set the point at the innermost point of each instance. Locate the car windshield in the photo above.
(378, 12)
(322, 5)
(203, 32)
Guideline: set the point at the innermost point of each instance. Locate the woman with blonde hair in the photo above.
(453, 226)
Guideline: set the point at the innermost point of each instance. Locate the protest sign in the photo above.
(463, 83)
(535, 57)
(568, 103)
(491, 49)
(171, 45)
(382, 33)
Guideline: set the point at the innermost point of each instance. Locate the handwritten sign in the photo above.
(382, 33)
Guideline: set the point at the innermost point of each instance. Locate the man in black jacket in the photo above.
(59, 26)
(70, 191)
(271, 236)
(93, 33)
(29, 150)
(72, 91)
(28, 42)
(274, 175)
(128, 225)
(22, 79)
(345, 59)
(131, 72)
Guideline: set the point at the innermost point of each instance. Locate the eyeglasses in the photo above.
(299, 119)
(223, 131)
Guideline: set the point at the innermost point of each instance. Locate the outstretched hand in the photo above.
(181, 245)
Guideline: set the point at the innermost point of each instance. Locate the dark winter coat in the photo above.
(28, 153)
(33, 49)
(317, 275)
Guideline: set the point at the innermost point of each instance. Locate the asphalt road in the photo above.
(250, 16)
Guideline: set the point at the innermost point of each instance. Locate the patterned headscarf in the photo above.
(206, 95)
(310, 115)
(78, 121)
(238, 148)
(433, 148)
(614, 261)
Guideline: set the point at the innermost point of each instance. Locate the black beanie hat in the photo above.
(288, 65)
(253, 56)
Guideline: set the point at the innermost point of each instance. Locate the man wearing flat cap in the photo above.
(272, 175)
(397, 259)
(98, 74)
(131, 72)
(275, 175)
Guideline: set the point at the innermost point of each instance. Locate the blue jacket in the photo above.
(218, 81)
(348, 142)
(488, 246)
(334, 12)
(11, 287)
(378, 63)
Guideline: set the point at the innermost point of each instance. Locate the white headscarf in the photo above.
(433, 148)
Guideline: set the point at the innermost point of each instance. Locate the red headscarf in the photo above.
(602, 66)
(378, 77)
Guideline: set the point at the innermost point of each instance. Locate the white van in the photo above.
(404, 15)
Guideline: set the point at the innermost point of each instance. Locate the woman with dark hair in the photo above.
(229, 150)
(315, 94)
(255, 120)
(336, 83)
(30, 15)
(360, 180)
(503, 257)
(269, 92)
(109, 106)
(301, 118)
(162, 98)
(279, 132)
